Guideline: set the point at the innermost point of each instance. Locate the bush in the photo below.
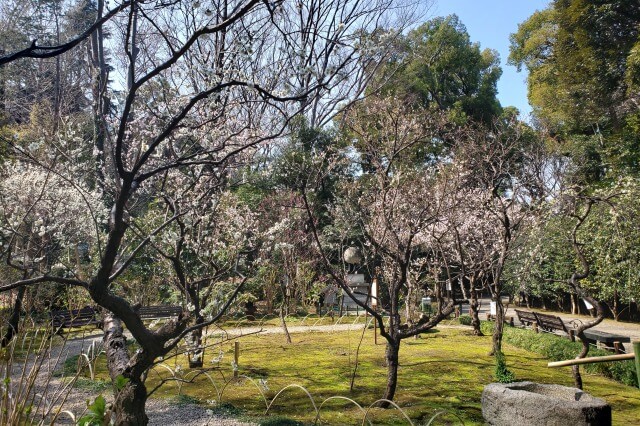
(465, 319)
(503, 375)
(557, 348)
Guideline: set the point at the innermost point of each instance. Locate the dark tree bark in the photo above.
(498, 327)
(283, 322)
(14, 320)
(130, 400)
(392, 352)
(101, 103)
(574, 284)
(474, 308)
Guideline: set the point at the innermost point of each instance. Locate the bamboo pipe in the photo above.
(635, 356)
(591, 360)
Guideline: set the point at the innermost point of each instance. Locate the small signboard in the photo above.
(374, 293)
(359, 288)
(493, 308)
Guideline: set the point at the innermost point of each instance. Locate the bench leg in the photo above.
(616, 347)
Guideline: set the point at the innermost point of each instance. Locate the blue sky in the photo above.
(490, 22)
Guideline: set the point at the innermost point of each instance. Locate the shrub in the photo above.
(557, 348)
(503, 375)
(465, 319)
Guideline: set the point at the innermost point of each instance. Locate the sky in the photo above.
(490, 22)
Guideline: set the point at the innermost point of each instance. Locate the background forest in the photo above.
(223, 156)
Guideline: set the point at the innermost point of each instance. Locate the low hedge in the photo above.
(557, 348)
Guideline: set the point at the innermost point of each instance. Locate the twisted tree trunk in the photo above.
(392, 357)
(283, 323)
(196, 353)
(14, 320)
(577, 377)
(498, 327)
(474, 309)
(130, 400)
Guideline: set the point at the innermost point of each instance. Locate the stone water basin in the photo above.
(529, 403)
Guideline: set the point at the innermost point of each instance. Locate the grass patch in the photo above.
(279, 421)
(465, 319)
(69, 367)
(226, 410)
(97, 385)
(443, 370)
(185, 400)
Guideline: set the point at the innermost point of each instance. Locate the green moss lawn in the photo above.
(443, 370)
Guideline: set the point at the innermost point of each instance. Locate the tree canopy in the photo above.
(440, 67)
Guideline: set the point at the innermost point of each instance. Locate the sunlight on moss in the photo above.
(443, 370)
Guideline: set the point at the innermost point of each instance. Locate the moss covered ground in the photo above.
(444, 370)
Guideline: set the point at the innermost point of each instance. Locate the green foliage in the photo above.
(224, 409)
(503, 374)
(70, 366)
(120, 382)
(609, 238)
(465, 319)
(185, 400)
(96, 413)
(442, 69)
(582, 58)
(556, 348)
(577, 52)
(279, 421)
(96, 385)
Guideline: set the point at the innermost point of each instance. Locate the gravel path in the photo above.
(161, 412)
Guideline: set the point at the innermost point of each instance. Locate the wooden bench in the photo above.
(527, 318)
(551, 323)
(546, 322)
(159, 312)
(74, 318)
(607, 340)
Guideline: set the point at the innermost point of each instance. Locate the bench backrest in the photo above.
(85, 312)
(551, 322)
(74, 317)
(159, 311)
(526, 316)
